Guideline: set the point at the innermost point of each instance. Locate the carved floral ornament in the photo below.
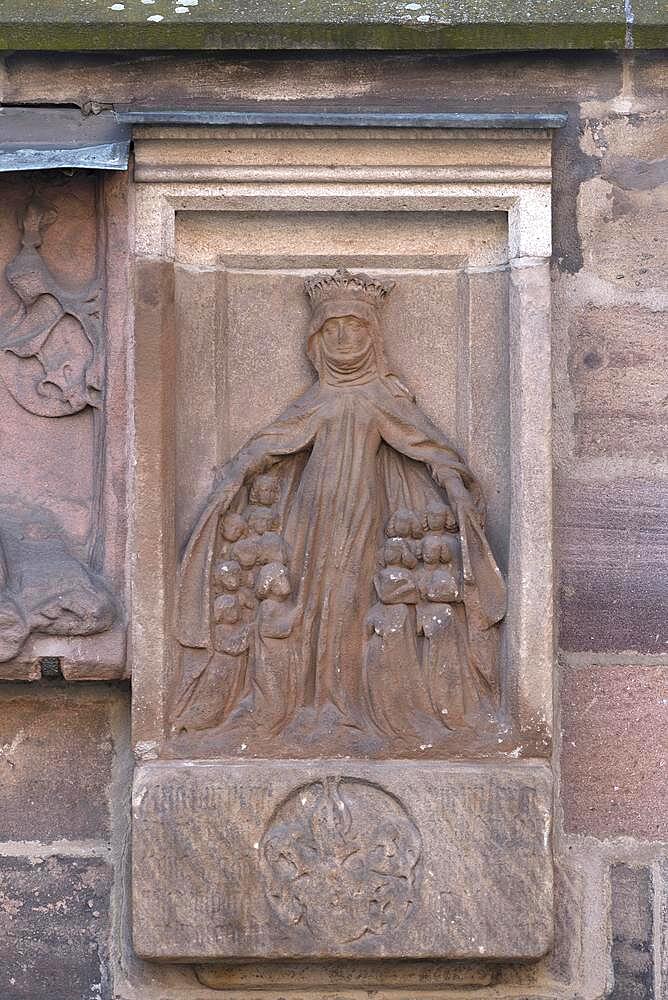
(339, 594)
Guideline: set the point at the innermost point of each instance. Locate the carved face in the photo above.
(273, 581)
(226, 609)
(440, 519)
(404, 523)
(435, 518)
(392, 552)
(227, 575)
(264, 491)
(261, 520)
(431, 550)
(233, 526)
(245, 551)
(345, 338)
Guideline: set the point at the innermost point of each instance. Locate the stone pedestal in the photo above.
(341, 859)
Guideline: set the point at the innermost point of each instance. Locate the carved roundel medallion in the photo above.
(341, 857)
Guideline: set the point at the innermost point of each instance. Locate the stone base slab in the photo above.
(341, 859)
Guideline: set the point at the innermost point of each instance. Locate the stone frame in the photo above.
(205, 169)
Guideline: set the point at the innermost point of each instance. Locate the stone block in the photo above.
(504, 78)
(620, 209)
(347, 975)
(612, 555)
(53, 929)
(632, 900)
(619, 382)
(614, 751)
(55, 765)
(337, 859)
(650, 79)
(661, 931)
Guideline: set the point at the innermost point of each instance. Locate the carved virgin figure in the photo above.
(340, 577)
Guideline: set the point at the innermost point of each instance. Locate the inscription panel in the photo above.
(310, 859)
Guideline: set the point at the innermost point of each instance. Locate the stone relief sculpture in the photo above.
(51, 350)
(52, 364)
(339, 593)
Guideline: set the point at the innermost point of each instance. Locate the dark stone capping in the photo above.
(49, 138)
(69, 25)
(288, 115)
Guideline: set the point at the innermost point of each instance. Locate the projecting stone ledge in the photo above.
(342, 859)
(338, 24)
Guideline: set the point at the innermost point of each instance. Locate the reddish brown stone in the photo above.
(612, 553)
(55, 761)
(54, 929)
(620, 210)
(614, 765)
(619, 382)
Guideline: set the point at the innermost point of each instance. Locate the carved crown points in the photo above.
(345, 284)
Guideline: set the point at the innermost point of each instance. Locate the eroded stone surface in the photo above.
(53, 929)
(218, 847)
(632, 925)
(612, 545)
(43, 741)
(619, 381)
(613, 776)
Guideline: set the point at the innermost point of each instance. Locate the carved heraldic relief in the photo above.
(338, 595)
(52, 364)
(341, 857)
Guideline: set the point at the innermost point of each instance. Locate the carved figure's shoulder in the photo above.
(398, 388)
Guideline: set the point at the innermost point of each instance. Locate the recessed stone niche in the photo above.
(317, 779)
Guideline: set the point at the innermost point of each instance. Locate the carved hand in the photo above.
(238, 469)
(230, 476)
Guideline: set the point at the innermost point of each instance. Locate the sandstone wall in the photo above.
(64, 745)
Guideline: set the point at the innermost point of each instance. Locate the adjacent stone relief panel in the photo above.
(54, 448)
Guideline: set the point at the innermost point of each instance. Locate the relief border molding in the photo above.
(235, 169)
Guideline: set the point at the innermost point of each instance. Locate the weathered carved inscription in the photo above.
(284, 859)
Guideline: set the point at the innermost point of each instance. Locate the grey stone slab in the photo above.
(341, 859)
(632, 903)
(54, 927)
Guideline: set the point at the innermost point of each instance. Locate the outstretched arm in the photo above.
(290, 433)
(408, 430)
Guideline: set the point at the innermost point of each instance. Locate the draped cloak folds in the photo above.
(366, 449)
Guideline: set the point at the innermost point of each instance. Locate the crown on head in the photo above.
(345, 285)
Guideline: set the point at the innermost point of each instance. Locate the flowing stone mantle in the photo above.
(228, 222)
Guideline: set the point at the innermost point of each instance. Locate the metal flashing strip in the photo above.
(340, 118)
(61, 138)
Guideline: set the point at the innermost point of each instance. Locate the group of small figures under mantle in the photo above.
(338, 595)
